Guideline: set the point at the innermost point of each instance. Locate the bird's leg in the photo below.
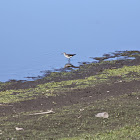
(69, 60)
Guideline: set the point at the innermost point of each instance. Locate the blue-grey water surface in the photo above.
(34, 33)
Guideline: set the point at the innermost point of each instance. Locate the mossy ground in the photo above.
(76, 121)
(79, 121)
(47, 89)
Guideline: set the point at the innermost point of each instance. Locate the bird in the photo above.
(68, 55)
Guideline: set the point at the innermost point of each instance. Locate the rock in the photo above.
(102, 115)
(19, 129)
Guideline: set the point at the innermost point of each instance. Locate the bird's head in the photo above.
(63, 53)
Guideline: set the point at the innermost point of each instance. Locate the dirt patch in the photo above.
(77, 96)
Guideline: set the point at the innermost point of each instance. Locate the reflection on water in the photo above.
(69, 65)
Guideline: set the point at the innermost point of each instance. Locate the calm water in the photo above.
(34, 33)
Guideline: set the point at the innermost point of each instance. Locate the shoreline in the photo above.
(96, 86)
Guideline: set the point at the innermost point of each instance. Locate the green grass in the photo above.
(125, 133)
(78, 121)
(52, 88)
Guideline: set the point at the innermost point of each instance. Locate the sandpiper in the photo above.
(68, 55)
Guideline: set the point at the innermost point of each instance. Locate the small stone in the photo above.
(82, 109)
(19, 129)
(102, 115)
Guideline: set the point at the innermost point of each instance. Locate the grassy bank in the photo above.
(126, 73)
(78, 121)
